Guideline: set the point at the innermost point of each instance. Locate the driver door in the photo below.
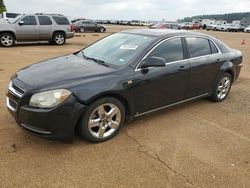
(156, 87)
(27, 29)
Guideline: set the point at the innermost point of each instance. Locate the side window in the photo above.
(170, 50)
(214, 50)
(198, 46)
(44, 20)
(29, 20)
(61, 20)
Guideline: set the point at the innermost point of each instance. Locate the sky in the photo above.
(129, 9)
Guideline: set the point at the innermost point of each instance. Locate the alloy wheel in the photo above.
(104, 120)
(6, 40)
(223, 87)
(59, 39)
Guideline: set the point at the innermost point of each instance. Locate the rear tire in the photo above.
(59, 38)
(222, 88)
(81, 29)
(102, 121)
(7, 40)
(101, 29)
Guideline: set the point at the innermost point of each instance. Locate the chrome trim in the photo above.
(34, 130)
(15, 92)
(170, 105)
(219, 51)
(9, 106)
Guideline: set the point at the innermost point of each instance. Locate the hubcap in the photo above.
(82, 29)
(104, 120)
(59, 39)
(223, 87)
(6, 40)
(102, 30)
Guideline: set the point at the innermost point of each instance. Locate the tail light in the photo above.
(72, 28)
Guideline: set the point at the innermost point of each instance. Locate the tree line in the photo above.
(227, 17)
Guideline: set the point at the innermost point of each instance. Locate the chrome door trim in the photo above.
(170, 105)
(219, 51)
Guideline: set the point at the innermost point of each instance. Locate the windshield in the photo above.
(118, 49)
(16, 19)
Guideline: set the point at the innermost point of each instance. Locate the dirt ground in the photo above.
(200, 144)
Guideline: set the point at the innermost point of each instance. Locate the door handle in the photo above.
(218, 60)
(182, 68)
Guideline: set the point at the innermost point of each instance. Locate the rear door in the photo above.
(205, 62)
(27, 31)
(45, 28)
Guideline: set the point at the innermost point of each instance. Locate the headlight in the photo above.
(49, 99)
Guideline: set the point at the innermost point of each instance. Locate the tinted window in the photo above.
(44, 20)
(170, 50)
(214, 50)
(11, 15)
(61, 20)
(198, 47)
(29, 20)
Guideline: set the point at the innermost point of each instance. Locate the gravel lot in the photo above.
(200, 144)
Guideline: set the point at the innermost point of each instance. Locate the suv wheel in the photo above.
(222, 88)
(82, 29)
(102, 121)
(59, 38)
(102, 29)
(7, 40)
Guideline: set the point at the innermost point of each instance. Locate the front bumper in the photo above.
(57, 123)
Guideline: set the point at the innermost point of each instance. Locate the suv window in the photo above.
(11, 15)
(29, 20)
(198, 46)
(61, 20)
(214, 50)
(170, 50)
(44, 20)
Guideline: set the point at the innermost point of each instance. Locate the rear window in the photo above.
(198, 46)
(44, 20)
(61, 20)
(214, 50)
(11, 15)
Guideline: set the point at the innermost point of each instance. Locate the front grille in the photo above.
(11, 104)
(16, 90)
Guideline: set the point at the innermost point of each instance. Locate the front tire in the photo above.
(59, 38)
(222, 88)
(7, 40)
(102, 121)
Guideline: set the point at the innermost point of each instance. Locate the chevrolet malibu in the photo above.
(128, 74)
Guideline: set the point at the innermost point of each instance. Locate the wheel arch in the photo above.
(117, 96)
(10, 32)
(58, 31)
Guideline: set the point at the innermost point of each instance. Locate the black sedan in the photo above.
(123, 76)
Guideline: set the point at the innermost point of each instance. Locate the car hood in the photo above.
(60, 71)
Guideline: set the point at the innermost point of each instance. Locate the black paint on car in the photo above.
(128, 74)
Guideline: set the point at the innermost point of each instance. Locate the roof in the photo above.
(161, 32)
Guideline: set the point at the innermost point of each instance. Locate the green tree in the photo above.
(2, 6)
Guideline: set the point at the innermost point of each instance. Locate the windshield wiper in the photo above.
(101, 62)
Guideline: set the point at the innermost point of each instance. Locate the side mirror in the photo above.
(21, 23)
(153, 62)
